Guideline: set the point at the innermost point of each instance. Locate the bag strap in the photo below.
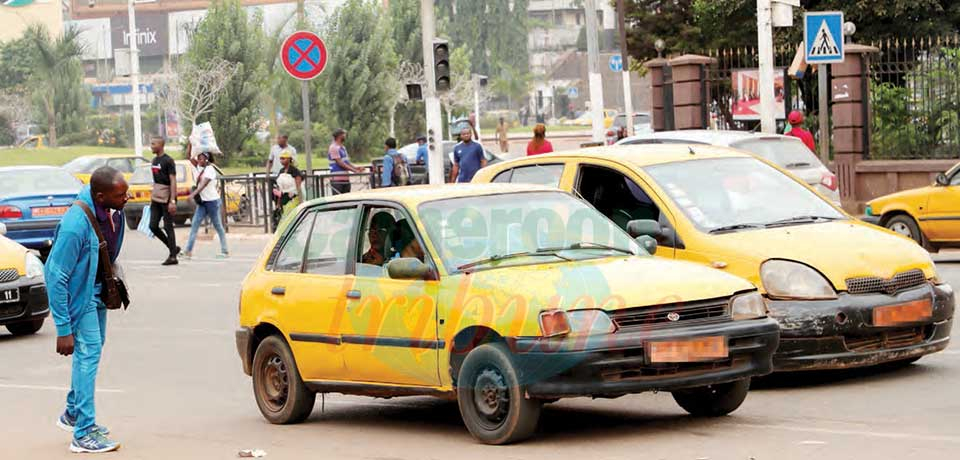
(105, 263)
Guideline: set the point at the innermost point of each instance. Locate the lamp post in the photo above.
(135, 78)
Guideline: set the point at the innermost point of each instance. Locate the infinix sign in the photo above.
(151, 33)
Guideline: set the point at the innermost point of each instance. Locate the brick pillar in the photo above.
(851, 121)
(655, 67)
(689, 86)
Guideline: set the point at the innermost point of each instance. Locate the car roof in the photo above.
(29, 168)
(643, 154)
(707, 136)
(415, 194)
(112, 155)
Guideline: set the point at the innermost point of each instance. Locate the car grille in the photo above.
(667, 315)
(885, 340)
(9, 274)
(877, 285)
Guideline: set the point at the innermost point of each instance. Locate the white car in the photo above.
(787, 152)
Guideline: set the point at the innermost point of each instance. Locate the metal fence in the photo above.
(732, 98)
(915, 98)
(258, 206)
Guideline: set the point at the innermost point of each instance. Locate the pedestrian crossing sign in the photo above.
(823, 37)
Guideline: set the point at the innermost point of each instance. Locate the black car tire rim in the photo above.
(491, 398)
(274, 383)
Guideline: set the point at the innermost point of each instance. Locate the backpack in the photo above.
(401, 172)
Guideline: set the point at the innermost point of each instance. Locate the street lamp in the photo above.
(659, 45)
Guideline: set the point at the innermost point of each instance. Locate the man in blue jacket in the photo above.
(391, 158)
(73, 291)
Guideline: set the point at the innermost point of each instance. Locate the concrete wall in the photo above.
(16, 19)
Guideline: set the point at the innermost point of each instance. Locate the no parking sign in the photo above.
(303, 55)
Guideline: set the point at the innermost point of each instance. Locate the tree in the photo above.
(56, 80)
(15, 63)
(193, 90)
(227, 33)
(406, 30)
(356, 90)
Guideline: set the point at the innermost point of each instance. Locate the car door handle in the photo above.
(353, 294)
(279, 290)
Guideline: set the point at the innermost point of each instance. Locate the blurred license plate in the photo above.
(685, 351)
(49, 211)
(9, 295)
(905, 313)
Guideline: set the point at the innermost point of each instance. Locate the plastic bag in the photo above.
(144, 226)
(203, 140)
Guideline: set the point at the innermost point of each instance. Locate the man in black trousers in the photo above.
(163, 198)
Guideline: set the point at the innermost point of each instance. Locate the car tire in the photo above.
(492, 401)
(133, 223)
(713, 400)
(280, 393)
(180, 221)
(906, 226)
(25, 327)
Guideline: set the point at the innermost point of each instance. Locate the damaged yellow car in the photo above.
(501, 297)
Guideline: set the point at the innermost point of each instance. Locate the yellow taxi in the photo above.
(928, 215)
(83, 167)
(845, 292)
(141, 187)
(501, 297)
(23, 294)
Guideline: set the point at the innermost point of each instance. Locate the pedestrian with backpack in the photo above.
(396, 171)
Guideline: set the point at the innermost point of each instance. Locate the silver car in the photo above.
(785, 151)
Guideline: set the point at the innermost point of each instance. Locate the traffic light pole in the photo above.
(430, 99)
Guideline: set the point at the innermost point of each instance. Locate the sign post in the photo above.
(304, 55)
(823, 45)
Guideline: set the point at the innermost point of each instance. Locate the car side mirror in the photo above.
(648, 243)
(3, 229)
(407, 268)
(942, 180)
(644, 227)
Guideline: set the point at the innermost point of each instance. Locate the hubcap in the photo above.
(274, 383)
(491, 398)
(901, 228)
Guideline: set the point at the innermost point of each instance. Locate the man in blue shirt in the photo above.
(423, 157)
(468, 158)
(390, 160)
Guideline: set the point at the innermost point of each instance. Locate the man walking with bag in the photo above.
(81, 285)
(163, 199)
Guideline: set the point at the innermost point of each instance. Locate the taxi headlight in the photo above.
(575, 323)
(34, 267)
(784, 279)
(748, 306)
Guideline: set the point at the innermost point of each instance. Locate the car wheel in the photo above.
(133, 223)
(281, 395)
(26, 327)
(906, 226)
(180, 221)
(491, 399)
(713, 400)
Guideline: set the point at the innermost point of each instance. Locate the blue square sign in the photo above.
(823, 37)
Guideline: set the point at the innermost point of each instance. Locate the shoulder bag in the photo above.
(114, 292)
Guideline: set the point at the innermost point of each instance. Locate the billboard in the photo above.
(151, 33)
(746, 93)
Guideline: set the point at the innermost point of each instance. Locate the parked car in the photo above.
(845, 293)
(141, 186)
(642, 124)
(83, 167)
(23, 295)
(33, 199)
(586, 118)
(786, 152)
(928, 215)
(452, 291)
(418, 173)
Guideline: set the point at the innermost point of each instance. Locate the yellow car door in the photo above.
(390, 330)
(941, 220)
(309, 287)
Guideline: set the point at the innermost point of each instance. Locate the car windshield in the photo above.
(84, 165)
(784, 152)
(735, 193)
(490, 231)
(37, 181)
(144, 175)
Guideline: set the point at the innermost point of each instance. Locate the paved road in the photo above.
(171, 387)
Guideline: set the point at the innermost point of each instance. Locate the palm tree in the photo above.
(52, 59)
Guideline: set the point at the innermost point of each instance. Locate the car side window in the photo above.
(546, 174)
(386, 234)
(329, 245)
(503, 177)
(955, 180)
(290, 257)
(121, 164)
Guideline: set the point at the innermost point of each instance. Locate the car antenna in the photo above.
(691, 150)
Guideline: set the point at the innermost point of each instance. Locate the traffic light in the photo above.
(441, 64)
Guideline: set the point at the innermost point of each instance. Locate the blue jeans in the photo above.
(89, 334)
(211, 209)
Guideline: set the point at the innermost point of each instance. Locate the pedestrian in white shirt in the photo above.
(273, 163)
(207, 197)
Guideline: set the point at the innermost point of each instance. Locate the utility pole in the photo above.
(768, 123)
(135, 79)
(476, 104)
(625, 58)
(593, 71)
(305, 102)
(430, 99)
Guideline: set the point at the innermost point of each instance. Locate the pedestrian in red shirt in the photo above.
(539, 144)
(796, 130)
